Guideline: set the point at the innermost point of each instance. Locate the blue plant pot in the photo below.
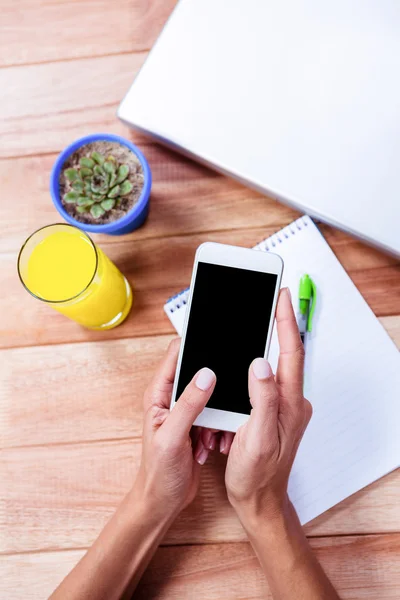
(134, 218)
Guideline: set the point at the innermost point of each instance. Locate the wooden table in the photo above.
(70, 403)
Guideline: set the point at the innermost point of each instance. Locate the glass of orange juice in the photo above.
(60, 265)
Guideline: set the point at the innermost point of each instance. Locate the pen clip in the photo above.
(312, 307)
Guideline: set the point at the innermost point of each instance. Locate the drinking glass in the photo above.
(60, 265)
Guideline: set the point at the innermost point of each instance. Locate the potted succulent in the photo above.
(101, 183)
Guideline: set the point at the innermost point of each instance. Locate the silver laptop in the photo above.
(297, 98)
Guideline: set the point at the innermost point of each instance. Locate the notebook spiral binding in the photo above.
(178, 300)
(279, 237)
(270, 243)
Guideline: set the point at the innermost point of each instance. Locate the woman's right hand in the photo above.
(264, 449)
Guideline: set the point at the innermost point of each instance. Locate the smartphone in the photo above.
(228, 323)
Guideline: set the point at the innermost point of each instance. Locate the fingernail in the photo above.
(205, 379)
(261, 368)
(202, 456)
(222, 444)
(212, 442)
(289, 293)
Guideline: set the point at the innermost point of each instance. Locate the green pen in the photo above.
(307, 300)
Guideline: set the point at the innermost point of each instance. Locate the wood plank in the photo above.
(157, 269)
(353, 514)
(186, 198)
(40, 385)
(381, 288)
(78, 28)
(76, 392)
(360, 568)
(60, 497)
(354, 254)
(67, 100)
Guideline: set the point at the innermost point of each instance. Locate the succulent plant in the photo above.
(97, 185)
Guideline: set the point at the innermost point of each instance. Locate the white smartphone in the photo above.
(228, 323)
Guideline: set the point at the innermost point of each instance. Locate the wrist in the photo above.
(272, 516)
(146, 504)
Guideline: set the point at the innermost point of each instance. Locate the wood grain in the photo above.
(72, 29)
(157, 269)
(40, 385)
(186, 198)
(363, 568)
(67, 100)
(61, 496)
(70, 412)
(360, 568)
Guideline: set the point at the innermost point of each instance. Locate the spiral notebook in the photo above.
(352, 377)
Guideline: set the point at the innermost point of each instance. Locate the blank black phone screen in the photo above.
(228, 327)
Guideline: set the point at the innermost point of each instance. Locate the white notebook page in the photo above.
(352, 378)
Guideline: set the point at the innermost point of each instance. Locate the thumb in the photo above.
(264, 398)
(191, 403)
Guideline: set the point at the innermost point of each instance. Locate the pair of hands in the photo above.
(260, 458)
(262, 452)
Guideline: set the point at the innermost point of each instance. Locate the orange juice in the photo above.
(62, 266)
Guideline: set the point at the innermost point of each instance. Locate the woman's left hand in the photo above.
(167, 481)
(174, 450)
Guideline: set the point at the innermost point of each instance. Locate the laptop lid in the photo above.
(299, 99)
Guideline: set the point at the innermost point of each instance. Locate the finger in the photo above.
(200, 452)
(295, 438)
(195, 433)
(191, 403)
(160, 389)
(226, 442)
(289, 375)
(264, 398)
(209, 438)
